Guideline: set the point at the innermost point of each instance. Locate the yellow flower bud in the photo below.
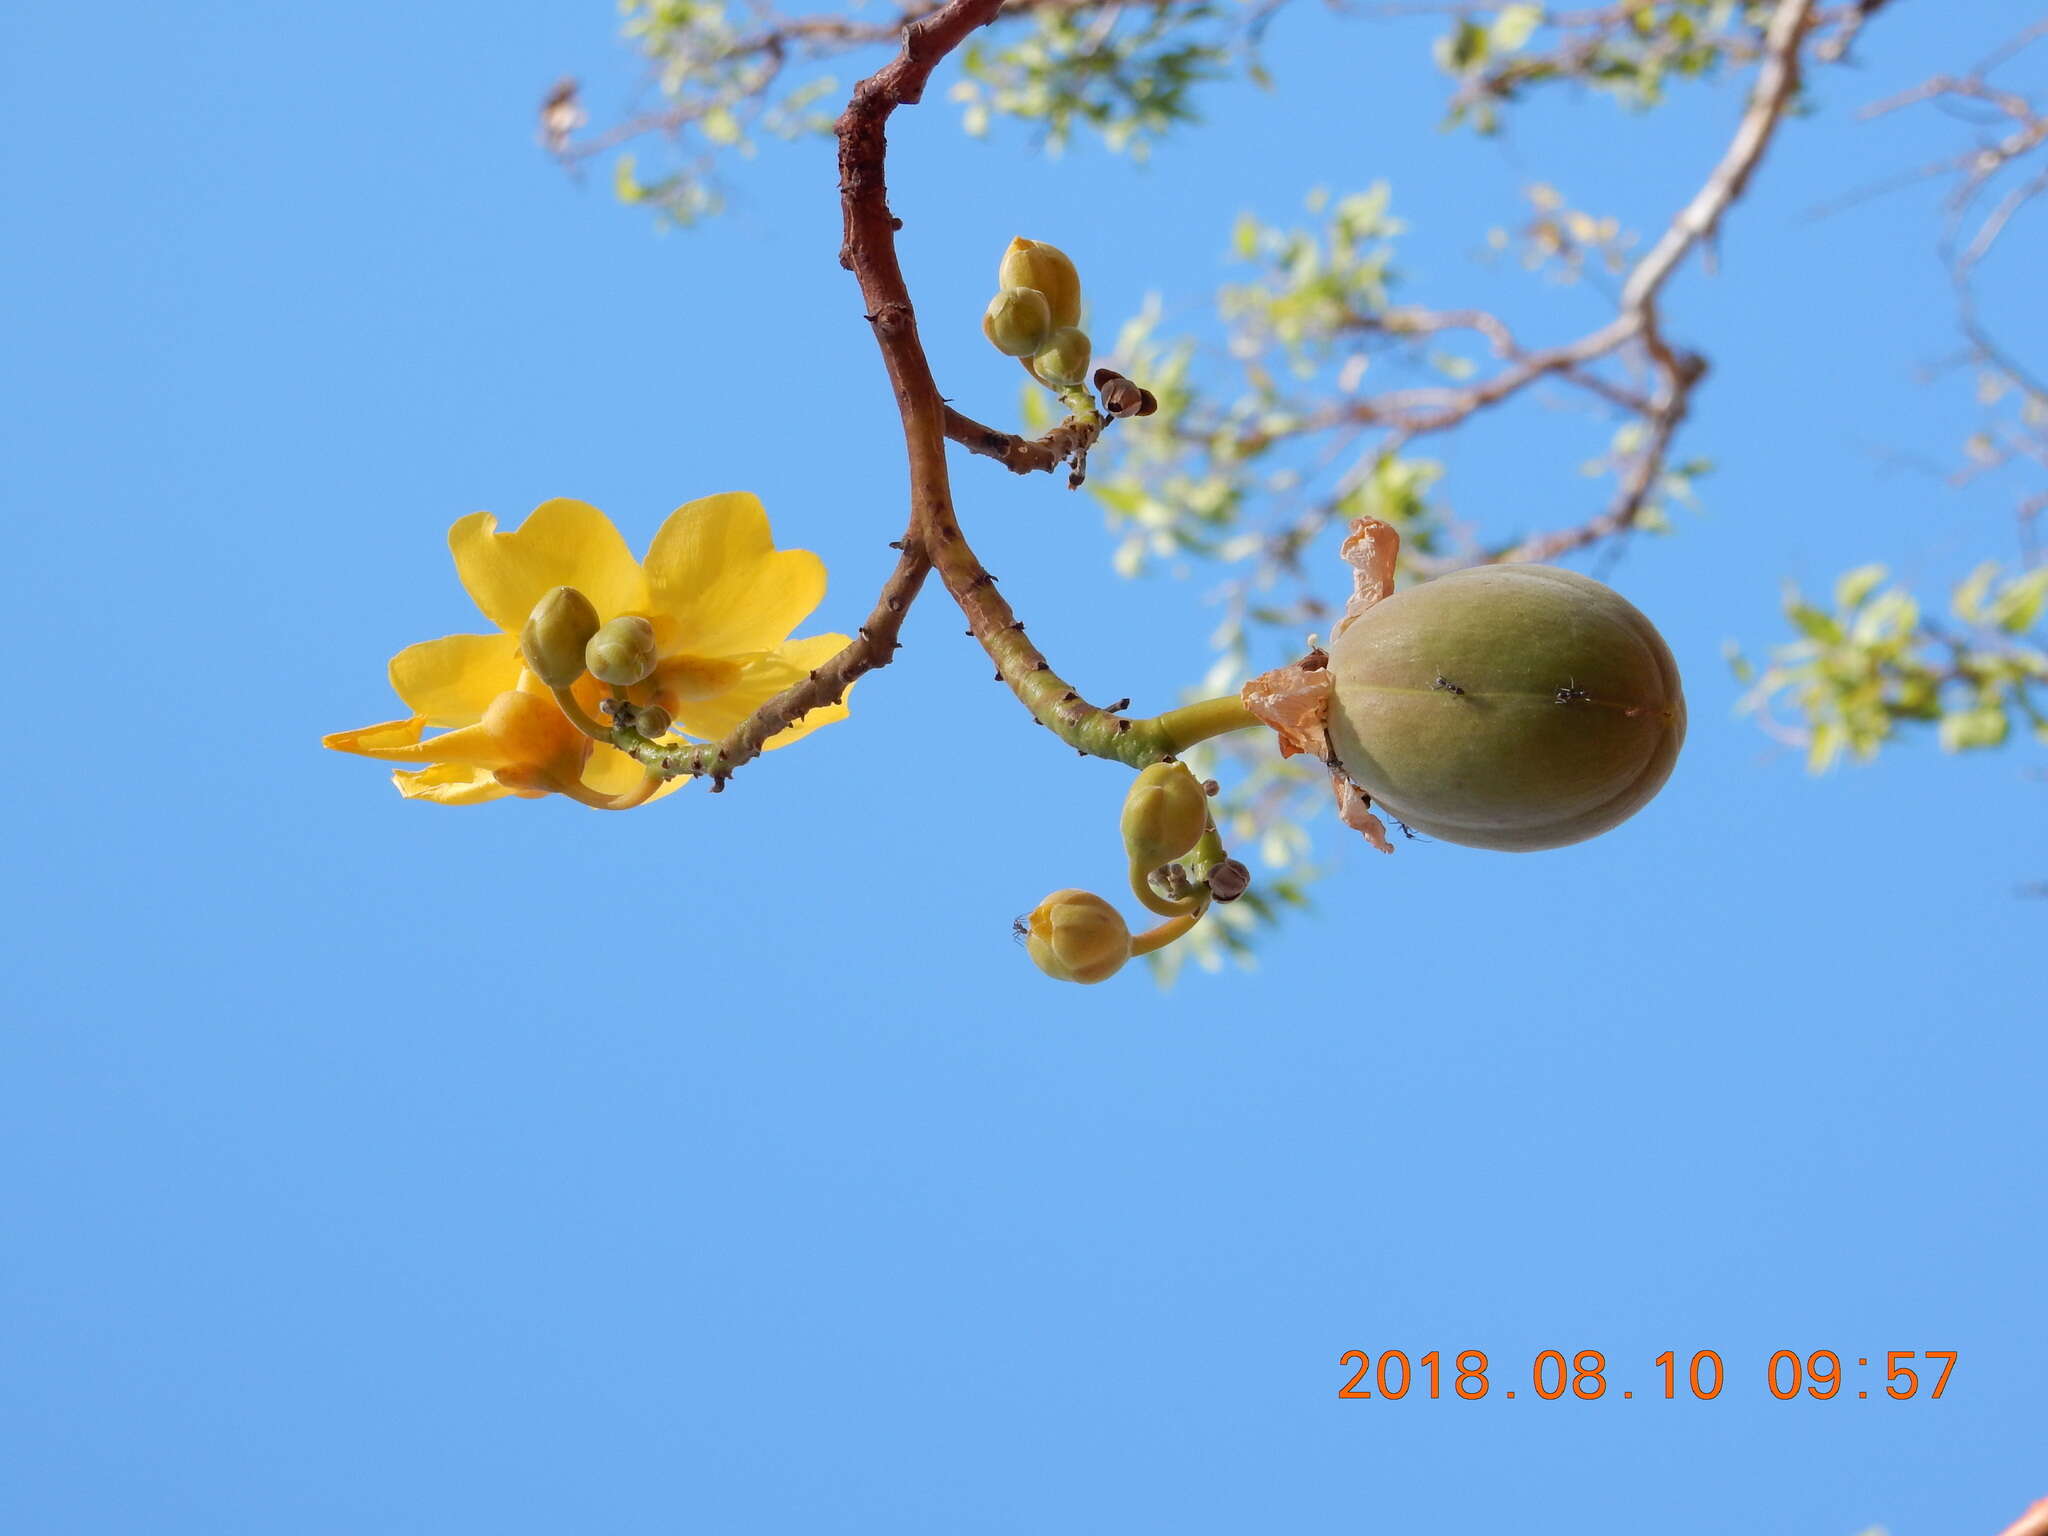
(1063, 361)
(651, 720)
(1165, 814)
(622, 653)
(1034, 264)
(1077, 936)
(1018, 321)
(554, 637)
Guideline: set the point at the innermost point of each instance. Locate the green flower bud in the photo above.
(1018, 321)
(651, 720)
(1165, 814)
(553, 639)
(622, 653)
(1514, 707)
(1063, 360)
(1077, 936)
(1034, 264)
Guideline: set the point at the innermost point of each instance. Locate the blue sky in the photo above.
(367, 1167)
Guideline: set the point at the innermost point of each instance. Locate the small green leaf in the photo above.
(1857, 585)
(1514, 26)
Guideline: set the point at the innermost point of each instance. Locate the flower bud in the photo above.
(1165, 814)
(622, 653)
(1077, 936)
(1018, 321)
(554, 637)
(1229, 880)
(651, 720)
(1034, 264)
(1063, 361)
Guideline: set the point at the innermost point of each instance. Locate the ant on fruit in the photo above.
(1571, 693)
(1445, 685)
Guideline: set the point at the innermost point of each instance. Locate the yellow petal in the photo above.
(717, 586)
(449, 784)
(759, 681)
(451, 681)
(561, 544)
(371, 739)
(472, 744)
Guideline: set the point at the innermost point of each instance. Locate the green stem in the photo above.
(1158, 938)
(1182, 728)
(578, 718)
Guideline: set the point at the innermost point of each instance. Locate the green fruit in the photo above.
(1514, 707)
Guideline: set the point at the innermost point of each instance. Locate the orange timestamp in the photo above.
(1390, 1375)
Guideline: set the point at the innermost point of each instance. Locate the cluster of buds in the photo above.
(562, 639)
(1036, 314)
(1077, 936)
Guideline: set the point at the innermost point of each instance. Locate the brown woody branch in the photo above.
(868, 251)
(875, 646)
(1068, 442)
(1677, 371)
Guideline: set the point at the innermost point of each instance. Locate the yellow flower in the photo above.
(722, 600)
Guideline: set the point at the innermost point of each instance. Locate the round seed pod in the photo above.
(1513, 707)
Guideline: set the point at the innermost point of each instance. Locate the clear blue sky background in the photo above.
(368, 1167)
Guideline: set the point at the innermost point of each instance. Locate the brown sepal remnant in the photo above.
(1295, 699)
(1352, 810)
(1370, 549)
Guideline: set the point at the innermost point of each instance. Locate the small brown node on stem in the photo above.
(1211, 788)
(1119, 704)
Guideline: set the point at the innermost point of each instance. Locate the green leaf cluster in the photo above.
(1873, 663)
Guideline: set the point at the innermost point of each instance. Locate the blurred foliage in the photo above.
(1125, 74)
(1628, 51)
(1874, 662)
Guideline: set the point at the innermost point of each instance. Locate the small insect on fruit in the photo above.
(1445, 685)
